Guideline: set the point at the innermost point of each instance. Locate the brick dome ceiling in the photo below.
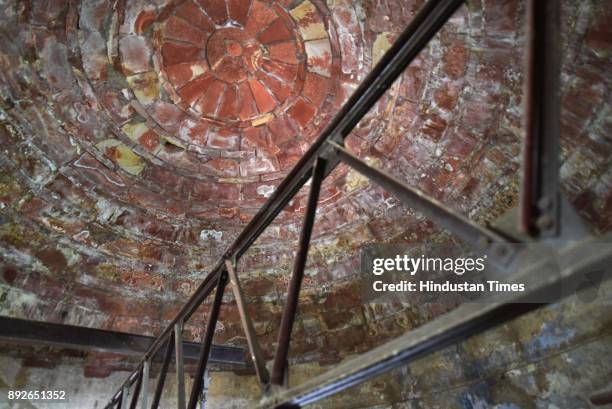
(139, 137)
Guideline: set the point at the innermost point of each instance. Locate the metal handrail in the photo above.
(318, 162)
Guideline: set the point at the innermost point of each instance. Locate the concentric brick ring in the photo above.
(227, 89)
(238, 93)
(234, 65)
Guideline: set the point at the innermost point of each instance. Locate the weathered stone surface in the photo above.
(176, 53)
(138, 140)
(216, 9)
(309, 21)
(135, 54)
(264, 100)
(319, 57)
(277, 31)
(189, 11)
(284, 52)
(145, 87)
(122, 155)
(179, 29)
(302, 112)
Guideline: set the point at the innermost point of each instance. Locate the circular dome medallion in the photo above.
(214, 77)
(231, 68)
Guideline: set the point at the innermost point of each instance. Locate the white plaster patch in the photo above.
(310, 25)
(107, 212)
(17, 302)
(71, 256)
(265, 190)
(319, 57)
(207, 235)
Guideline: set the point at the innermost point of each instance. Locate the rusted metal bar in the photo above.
(179, 363)
(463, 227)
(144, 402)
(136, 392)
(93, 339)
(159, 389)
(116, 400)
(284, 335)
(247, 325)
(601, 398)
(540, 200)
(207, 343)
(125, 397)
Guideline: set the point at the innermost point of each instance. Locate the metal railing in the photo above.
(540, 217)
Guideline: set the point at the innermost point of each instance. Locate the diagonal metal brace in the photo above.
(463, 227)
(279, 369)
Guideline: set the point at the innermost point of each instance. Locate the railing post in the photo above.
(180, 364)
(207, 343)
(205, 386)
(125, 396)
(279, 368)
(540, 199)
(163, 372)
(144, 389)
(247, 325)
(136, 393)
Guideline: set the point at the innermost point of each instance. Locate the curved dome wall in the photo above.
(139, 137)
